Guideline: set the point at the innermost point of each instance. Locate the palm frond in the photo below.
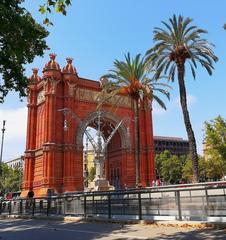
(132, 76)
(179, 33)
(159, 101)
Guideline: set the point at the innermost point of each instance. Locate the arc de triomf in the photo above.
(54, 157)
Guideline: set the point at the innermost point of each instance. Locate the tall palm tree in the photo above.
(131, 78)
(177, 43)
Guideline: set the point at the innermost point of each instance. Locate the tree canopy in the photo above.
(21, 40)
(169, 167)
(10, 179)
(215, 139)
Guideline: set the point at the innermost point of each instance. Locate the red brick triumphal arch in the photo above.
(54, 157)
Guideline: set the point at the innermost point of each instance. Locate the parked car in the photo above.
(12, 195)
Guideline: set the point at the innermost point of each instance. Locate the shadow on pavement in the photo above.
(57, 230)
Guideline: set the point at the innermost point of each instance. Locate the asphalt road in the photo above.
(11, 229)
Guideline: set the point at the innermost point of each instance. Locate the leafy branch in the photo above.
(59, 6)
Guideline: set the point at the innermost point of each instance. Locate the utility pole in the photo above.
(3, 131)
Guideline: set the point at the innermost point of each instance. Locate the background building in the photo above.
(16, 163)
(177, 146)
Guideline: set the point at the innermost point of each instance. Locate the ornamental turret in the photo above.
(69, 68)
(34, 77)
(70, 76)
(32, 87)
(51, 75)
(52, 68)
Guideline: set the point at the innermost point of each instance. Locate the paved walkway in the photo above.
(18, 229)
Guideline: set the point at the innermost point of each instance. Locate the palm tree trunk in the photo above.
(137, 140)
(187, 122)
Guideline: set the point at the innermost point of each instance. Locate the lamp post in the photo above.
(86, 165)
(3, 132)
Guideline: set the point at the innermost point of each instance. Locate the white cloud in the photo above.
(175, 102)
(15, 133)
(191, 99)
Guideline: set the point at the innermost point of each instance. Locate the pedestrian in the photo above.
(30, 197)
(30, 194)
(158, 182)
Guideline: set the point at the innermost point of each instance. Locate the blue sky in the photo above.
(96, 32)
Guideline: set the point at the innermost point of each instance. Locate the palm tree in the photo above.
(131, 78)
(177, 43)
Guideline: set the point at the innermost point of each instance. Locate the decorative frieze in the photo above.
(71, 88)
(41, 96)
(88, 95)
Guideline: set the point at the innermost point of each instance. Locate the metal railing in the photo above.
(200, 202)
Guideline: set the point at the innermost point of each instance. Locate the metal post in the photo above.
(207, 202)
(178, 205)
(0, 207)
(33, 207)
(65, 206)
(48, 206)
(20, 171)
(59, 206)
(21, 207)
(9, 206)
(84, 206)
(139, 206)
(109, 206)
(93, 212)
(3, 132)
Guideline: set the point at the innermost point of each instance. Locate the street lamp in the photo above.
(3, 132)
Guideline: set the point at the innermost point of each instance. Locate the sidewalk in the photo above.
(76, 228)
(171, 223)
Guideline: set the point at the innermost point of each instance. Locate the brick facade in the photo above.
(54, 157)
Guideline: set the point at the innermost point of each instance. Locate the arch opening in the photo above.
(103, 136)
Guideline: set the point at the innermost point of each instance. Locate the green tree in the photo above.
(10, 179)
(130, 78)
(215, 167)
(171, 168)
(158, 165)
(179, 43)
(215, 138)
(21, 40)
(159, 159)
(187, 171)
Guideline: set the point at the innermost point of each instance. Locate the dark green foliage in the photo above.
(10, 179)
(215, 138)
(21, 40)
(173, 169)
(169, 167)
